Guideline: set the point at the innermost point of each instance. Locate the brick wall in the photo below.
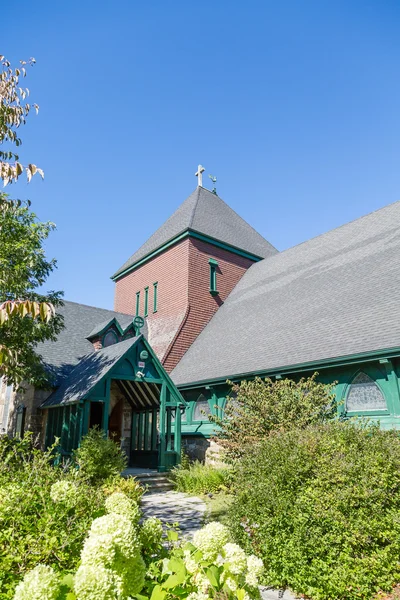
(185, 304)
(202, 305)
(171, 271)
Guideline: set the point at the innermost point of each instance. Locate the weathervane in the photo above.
(199, 174)
(214, 180)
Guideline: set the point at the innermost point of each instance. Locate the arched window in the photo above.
(109, 339)
(364, 394)
(201, 409)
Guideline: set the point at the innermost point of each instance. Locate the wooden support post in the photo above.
(177, 435)
(85, 419)
(163, 408)
(106, 408)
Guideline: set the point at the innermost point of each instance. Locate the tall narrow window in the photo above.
(213, 276)
(155, 285)
(137, 303)
(364, 394)
(146, 301)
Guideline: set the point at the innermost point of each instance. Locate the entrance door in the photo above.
(115, 423)
(144, 448)
(96, 415)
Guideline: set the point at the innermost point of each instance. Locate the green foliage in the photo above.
(199, 478)
(35, 528)
(23, 269)
(259, 407)
(321, 506)
(99, 457)
(129, 486)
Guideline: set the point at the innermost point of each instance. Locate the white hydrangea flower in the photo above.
(97, 583)
(41, 583)
(197, 596)
(120, 504)
(64, 492)
(190, 564)
(236, 558)
(151, 532)
(121, 529)
(251, 580)
(98, 550)
(255, 565)
(231, 584)
(211, 539)
(201, 582)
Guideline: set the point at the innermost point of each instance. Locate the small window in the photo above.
(146, 301)
(155, 286)
(213, 276)
(20, 421)
(364, 394)
(137, 303)
(201, 409)
(109, 339)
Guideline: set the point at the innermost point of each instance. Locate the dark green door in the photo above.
(144, 446)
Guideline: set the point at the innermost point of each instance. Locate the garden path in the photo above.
(175, 507)
(189, 512)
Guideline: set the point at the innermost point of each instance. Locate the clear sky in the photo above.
(294, 105)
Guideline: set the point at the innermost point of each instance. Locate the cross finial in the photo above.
(199, 174)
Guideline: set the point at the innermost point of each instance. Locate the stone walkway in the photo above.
(189, 513)
(175, 507)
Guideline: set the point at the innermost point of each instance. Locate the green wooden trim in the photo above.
(161, 460)
(137, 304)
(146, 301)
(212, 261)
(327, 363)
(182, 236)
(155, 288)
(213, 277)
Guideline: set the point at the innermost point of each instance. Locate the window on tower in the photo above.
(213, 276)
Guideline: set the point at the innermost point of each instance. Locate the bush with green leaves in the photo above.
(46, 510)
(258, 407)
(321, 507)
(112, 565)
(199, 478)
(99, 457)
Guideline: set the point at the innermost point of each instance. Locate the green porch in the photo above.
(124, 390)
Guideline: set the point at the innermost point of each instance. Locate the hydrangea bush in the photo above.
(121, 559)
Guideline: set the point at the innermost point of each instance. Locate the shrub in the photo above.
(129, 486)
(259, 407)
(201, 479)
(45, 512)
(321, 506)
(112, 567)
(99, 457)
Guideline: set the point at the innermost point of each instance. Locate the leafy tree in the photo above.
(23, 269)
(259, 407)
(25, 316)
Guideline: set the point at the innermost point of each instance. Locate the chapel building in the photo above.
(206, 300)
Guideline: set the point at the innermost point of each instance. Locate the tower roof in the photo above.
(205, 213)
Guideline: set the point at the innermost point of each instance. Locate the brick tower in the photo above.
(178, 279)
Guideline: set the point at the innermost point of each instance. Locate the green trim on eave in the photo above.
(178, 238)
(326, 363)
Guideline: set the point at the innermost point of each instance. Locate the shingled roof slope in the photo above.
(335, 295)
(71, 344)
(205, 213)
(88, 372)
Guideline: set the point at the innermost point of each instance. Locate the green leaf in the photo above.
(68, 580)
(213, 576)
(158, 593)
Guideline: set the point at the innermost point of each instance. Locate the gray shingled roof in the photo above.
(71, 344)
(88, 372)
(206, 213)
(335, 295)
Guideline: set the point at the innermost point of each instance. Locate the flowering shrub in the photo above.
(65, 492)
(112, 567)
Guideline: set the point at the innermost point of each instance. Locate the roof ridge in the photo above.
(117, 312)
(195, 206)
(334, 229)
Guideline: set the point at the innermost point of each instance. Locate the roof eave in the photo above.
(298, 367)
(183, 235)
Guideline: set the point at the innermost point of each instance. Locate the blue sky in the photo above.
(295, 106)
